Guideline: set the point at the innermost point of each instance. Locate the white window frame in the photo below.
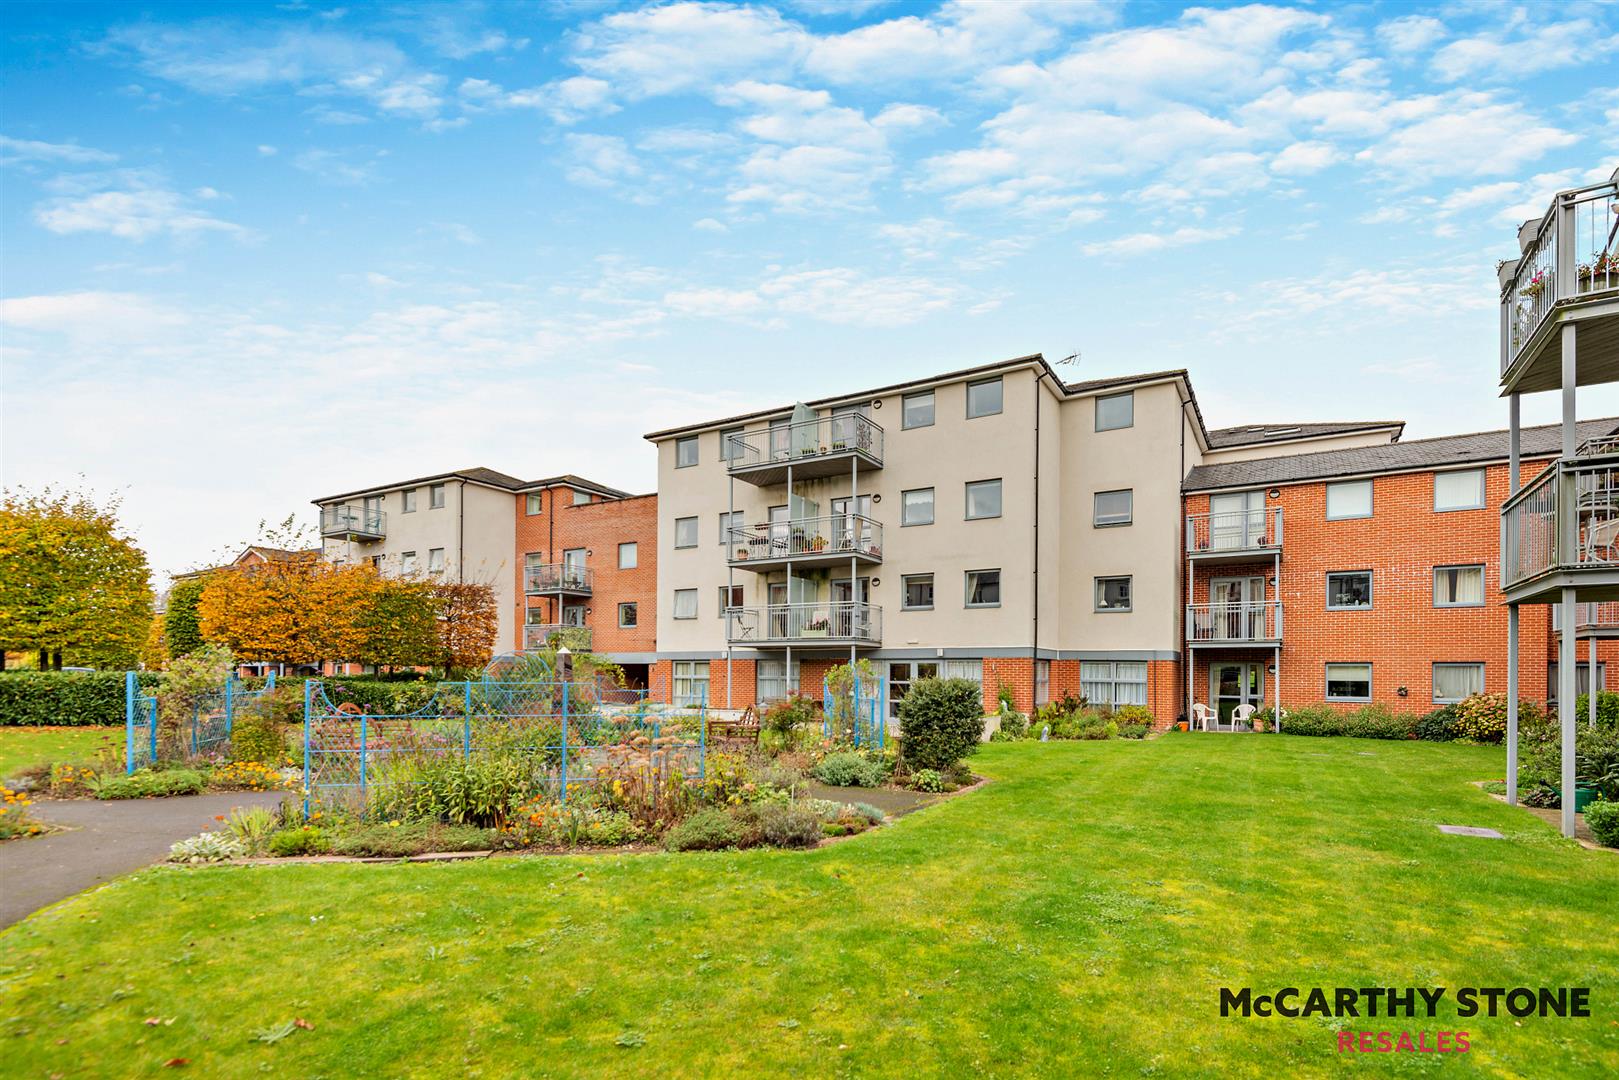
(774, 680)
(1042, 682)
(1346, 485)
(1107, 521)
(1434, 680)
(732, 519)
(1113, 425)
(1483, 586)
(582, 498)
(1114, 683)
(905, 507)
(435, 560)
(689, 680)
(408, 563)
(407, 501)
(533, 504)
(681, 594)
(905, 410)
(633, 549)
(1000, 397)
(681, 455)
(696, 529)
(1477, 499)
(967, 499)
(1326, 682)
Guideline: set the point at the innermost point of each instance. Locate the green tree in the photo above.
(181, 632)
(399, 625)
(71, 581)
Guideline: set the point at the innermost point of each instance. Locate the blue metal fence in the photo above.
(213, 718)
(861, 715)
(140, 724)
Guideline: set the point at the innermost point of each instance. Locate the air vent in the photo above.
(1282, 433)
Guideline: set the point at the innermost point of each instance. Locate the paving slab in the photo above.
(101, 841)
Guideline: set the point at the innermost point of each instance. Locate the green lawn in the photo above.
(1076, 917)
(24, 746)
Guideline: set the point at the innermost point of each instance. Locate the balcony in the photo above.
(1568, 272)
(1255, 623)
(805, 543)
(1235, 535)
(834, 623)
(1562, 530)
(812, 449)
(552, 635)
(353, 522)
(1593, 620)
(556, 579)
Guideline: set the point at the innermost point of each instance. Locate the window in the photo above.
(1113, 683)
(1458, 586)
(983, 398)
(1116, 411)
(730, 597)
(734, 520)
(686, 452)
(407, 563)
(533, 560)
(916, 507)
(532, 505)
(971, 670)
(731, 449)
(1349, 682)
(376, 563)
(918, 592)
(629, 555)
(1352, 499)
(580, 498)
(775, 681)
(627, 615)
(535, 616)
(1112, 508)
(691, 683)
(983, 588)
(685, 532)
(1582, 680)
(409, 498)
(435, 497)
(901, 673)
(917, 410)
(1113, 594)
(1349, 590)
(1042, 682)
(685, 603)
(1453, 682)
(435, 560)
(983, 499)
(1463, 490)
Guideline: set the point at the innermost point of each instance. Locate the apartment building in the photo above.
(456, 526)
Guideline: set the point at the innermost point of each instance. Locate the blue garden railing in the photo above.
(213, 718)
(861, 715)
(140, 724)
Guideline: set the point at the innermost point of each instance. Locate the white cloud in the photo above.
(1524, 51)
(710, 225)
(14, 150)
(684, 47)
(921, 239)
(1410, 33)
(102, 316)
(1304, 158)
(600, 161)
(130, 206)
(267, 150)
(566, 101)
(1470, 135)
(345, 168)
(1148, 243)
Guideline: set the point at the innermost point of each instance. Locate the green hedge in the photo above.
(1366, 722)
(64, 698)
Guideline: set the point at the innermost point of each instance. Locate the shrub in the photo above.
(1366, 722)
(304, 840)
(706, 830)
(1134, 731)
(149, 784)
(572, 825)
(1596, 756)
(485, 789)
(849, 769)
(248, 776)
(1483, 717)
(1133, 716)
(1438, 726)
(15, 820)
(1607, 708)
(1603, 819)
(207, 847)
(256, 736)
(787, 715)
(252, 827)
(942, 721)
(927, 780)
(790, 826)
(65, 698)
(869, 812)
(1084, 724)
(381, 839)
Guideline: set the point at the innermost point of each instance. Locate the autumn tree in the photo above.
(181, 633)
(398, 624)
(72, 582)
(299, 610)
(468, 621)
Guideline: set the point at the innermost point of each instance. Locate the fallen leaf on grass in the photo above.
(176, 1063)
(302, 1023)
(276, 1034)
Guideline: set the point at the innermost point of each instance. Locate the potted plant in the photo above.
(816, 628)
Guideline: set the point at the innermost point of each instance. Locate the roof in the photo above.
(1415, 456)
(488, 478)
(1033, 359)
(1254, 434)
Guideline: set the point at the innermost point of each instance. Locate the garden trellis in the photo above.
(208, 729)
(571, 732)
(860, 714)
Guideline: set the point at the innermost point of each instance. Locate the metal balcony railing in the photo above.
(1239, 622)
(553, 635)
(346, 520)
(1234, 530)
(557, 578)
(1567, 518)
(1571, 253)
(1588, 616)
(842, 434)
(842, 535)
(831, 623)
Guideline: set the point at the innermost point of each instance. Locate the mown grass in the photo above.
(21, 747)
(1076, 917)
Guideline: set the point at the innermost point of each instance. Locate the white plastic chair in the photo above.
(1243, 715)
(1200, 716)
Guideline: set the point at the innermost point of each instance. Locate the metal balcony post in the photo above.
(1512, 698)
(1566, 659)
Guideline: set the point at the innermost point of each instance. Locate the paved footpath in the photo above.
(103, 840)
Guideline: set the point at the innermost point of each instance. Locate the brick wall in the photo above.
(660, 683)
(599, 527)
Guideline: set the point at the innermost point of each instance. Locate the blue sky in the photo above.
(256, 253)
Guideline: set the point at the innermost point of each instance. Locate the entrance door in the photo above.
(1233, 683)
(1237, 608)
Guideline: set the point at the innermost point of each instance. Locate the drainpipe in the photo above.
(1034, 629)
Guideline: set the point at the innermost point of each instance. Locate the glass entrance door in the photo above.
(1235, 683)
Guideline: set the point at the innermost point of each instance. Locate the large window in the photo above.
(916, 507)
(1461, 490)
(686, 452)
(1116, 411)
(917, 410)
(1453, 682)
(983, 588)
(1113, 594)
(1349, 682)
(435, 497)
(1349, 590)
(983, 499)
(685, 603)
(731, 448)
(737, 520)
(1112, 508)
(691, 683)
(409, 501)
(918, 592)
(1351, 499)
(629, 555)
(775, 681)
(1582, 680)
(1113, 683)
(1458, 586)
(983, 398)
(685, 532)
(627, 615)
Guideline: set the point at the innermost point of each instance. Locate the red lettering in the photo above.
(1346, 1041)
(1462, 1045)
(1368, 1042)
(1385, 1042)
(1443, 1042)
(1405, 1043)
